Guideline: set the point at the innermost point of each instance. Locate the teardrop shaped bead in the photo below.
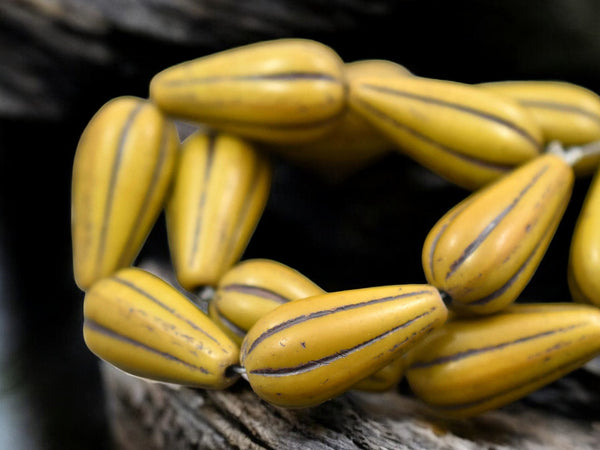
(353, 142)
(121, 172)
(220, 189)
(484, 251)
(286, 90)
(584, 256)
(142, 325)
(253, 288)
(463, 133)
(566, 112)
(470, 366)
(311, 350)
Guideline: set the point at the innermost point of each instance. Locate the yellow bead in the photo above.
(484, 251)
(384, 379)
(584, 257)
(461, 132)
(144, 326)
(565, 112)
(251, 289)
(308, 351)
(470, 366)
(287, 90)
(121, 172)
(220, 189)
(353, 142)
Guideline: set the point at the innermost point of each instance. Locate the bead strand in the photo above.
(296, 344)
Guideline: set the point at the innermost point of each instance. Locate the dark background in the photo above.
(60, 63)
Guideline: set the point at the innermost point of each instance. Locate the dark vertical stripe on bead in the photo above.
(315, 364)
(229, 324)
(166, 307)
(112, 184)
(490, 348)
(257, 171)
(95, 326)
(283, 76)
(557, 106)
(255, 291)
(149, 192)
(457, 107)
(502, 168)
(202, 200)
(304, 318)
(497, 293)
(470, 249)
(439, 235)
(530, 382)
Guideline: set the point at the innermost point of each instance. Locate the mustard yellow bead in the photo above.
(384, 379)
(221, 186)
(584, 257)
(566, 112)
(470, 366)
(286, 90)
(251, 289)
(308, 351)
(461, 132)
(484, 251)
(142, 325)
(353, 142)
(122, 169)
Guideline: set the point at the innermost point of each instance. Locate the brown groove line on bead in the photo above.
(228, 323)
(113, 181)
(503, 168)
(490, 348)
(314, 315)
(469, 249)
(257, 171)
(156, 301)
(316, 363)
(497, 293)
(523, 385)
(443, 228)
(255, 291)
(284, 76)
(456, 107)
(95, 326)
(563, 107)
(210, 151)
(162, 157)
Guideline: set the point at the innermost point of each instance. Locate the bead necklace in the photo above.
(462, 344)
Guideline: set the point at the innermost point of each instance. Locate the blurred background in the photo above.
(61, 60)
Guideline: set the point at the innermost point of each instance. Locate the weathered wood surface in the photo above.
(150, 416)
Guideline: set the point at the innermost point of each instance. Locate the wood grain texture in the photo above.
(147, 415)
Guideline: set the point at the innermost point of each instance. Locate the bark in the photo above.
(145, 415)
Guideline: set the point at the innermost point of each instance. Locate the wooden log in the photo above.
(146, 415)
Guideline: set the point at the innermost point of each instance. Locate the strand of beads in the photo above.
(296, 344)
